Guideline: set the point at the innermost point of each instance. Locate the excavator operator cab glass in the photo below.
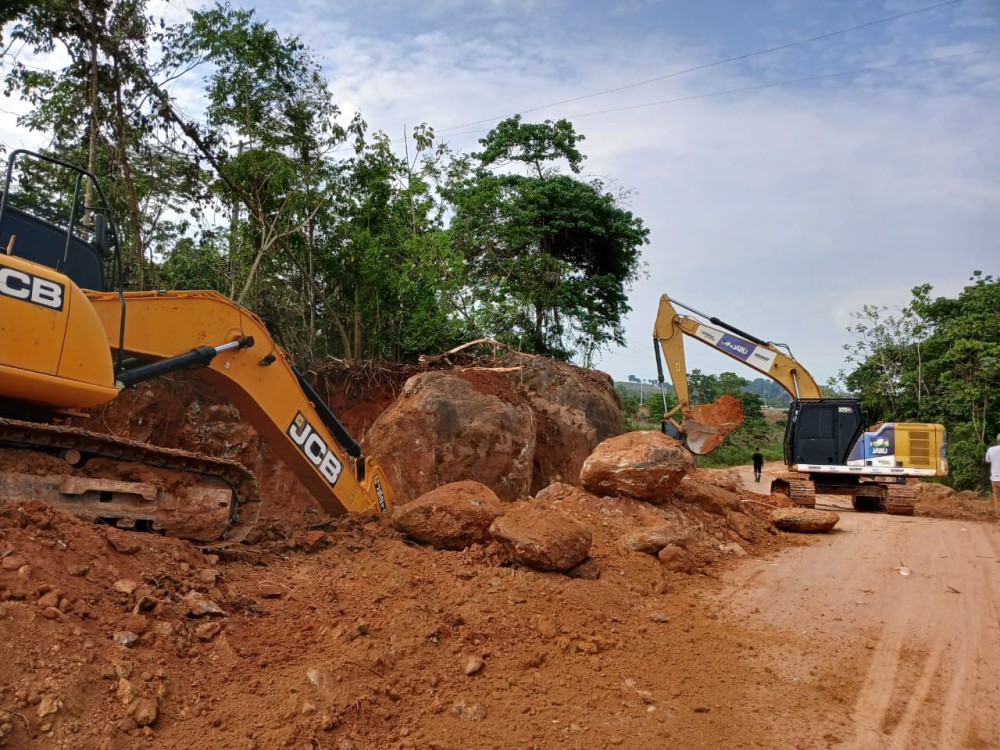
(43, 219)
(822, 432)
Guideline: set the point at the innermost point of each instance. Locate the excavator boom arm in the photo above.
(240, 358)
(671, 327)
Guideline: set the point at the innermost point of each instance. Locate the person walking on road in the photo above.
(758, 464)
(993, 459)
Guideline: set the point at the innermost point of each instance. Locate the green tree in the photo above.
(98, 110)
(960, 364)
(549, 257)
(886, 356)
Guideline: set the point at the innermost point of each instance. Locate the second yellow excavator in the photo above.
(67, 343)
(827, 449)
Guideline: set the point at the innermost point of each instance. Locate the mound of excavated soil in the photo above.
(111, 639)
(342, 633)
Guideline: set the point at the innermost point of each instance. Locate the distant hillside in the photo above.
(772, 394)
(644, 388)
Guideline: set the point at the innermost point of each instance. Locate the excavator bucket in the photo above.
(708, 425)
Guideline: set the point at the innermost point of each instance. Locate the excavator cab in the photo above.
(55, 353)
(822, 431)
(65, 235)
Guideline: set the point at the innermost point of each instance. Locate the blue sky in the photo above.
(781, 209)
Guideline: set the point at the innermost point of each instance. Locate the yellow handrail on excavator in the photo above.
(763, 356)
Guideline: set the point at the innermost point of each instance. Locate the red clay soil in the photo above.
(352, 637)
(343, 634)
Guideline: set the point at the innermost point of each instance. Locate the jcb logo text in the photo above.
(304, 435)
(30, 288)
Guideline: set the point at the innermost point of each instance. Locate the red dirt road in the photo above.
(890, 624)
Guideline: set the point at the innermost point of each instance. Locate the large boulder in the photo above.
(804, 520)
(575, 410)
(646, 465)
(450, 517)
(538, 536)
(449, 426)
(708, 497)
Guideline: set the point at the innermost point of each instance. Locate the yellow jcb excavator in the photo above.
(68, 343)
(827, 450)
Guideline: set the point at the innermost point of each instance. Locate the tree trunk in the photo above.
(135, 212)
(357, 332)
(92, 135)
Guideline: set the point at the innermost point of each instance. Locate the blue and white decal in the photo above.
(758, 357)
(875, 448)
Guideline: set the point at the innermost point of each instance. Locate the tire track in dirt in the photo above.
(906, 608)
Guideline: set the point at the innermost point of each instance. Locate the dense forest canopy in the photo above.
(271, 196)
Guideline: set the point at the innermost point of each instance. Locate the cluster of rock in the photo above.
(516, 427)
(645, 466)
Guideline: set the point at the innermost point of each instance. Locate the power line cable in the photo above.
(758, 87)
(715, 63)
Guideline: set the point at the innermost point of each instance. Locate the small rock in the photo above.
(206, 631)
(198, 605)
(452, 516)
(145, 712)
(136, 624)
(588, 570)
(125, 586)
(659, 617)
(125, 691)
(804, 520)
(473, 712)
(125, 542)
(12, 562)
(674, 558)
(314, 541)
(125, 638)
(651, 540)
(49, 705)
(546, 627)
(318, 678)
(269, 590)
(473, 664)
(208, 576)
(51, 613)
(78, 571)
(541, 537)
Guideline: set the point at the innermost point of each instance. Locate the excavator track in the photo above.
(177, 500)
(799, 489)
(900, 499)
